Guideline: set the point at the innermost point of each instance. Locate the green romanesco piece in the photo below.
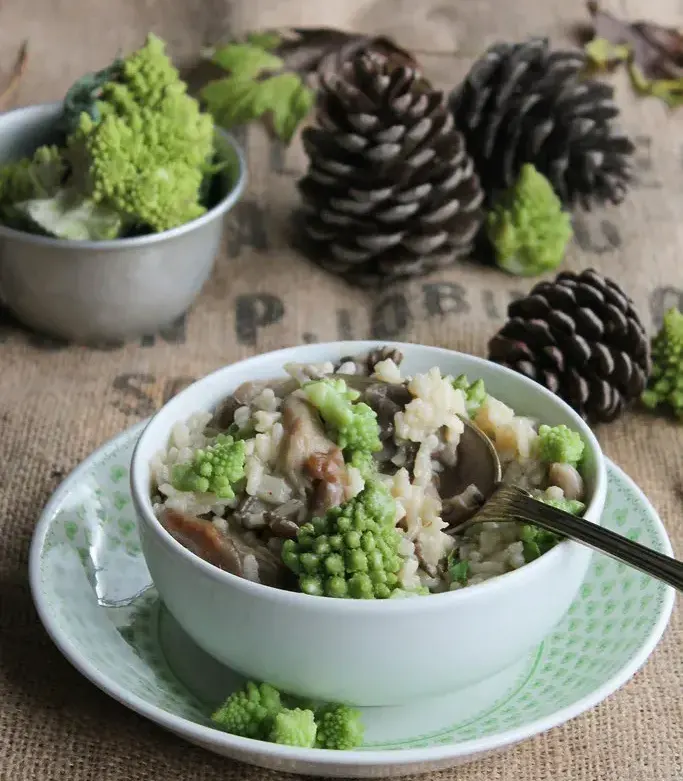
(528, 227)
(294, 727)
(537, 541)
(214, 469)
(559, 444)
(351, 552)
(364, 462)
(36, 177)
(146, 146)
(475, 393)
(339, 728)
(573, 506)
(354, 423)
(250, 712)
(665, 386)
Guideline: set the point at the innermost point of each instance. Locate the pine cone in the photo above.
(522, 103)
(582, 338)
(390, 191)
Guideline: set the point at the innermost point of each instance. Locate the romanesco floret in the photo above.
(665, 386)
(559, 444)
(354, 423)
(573, 506)
(528, 227)
(214, 469)
(475, 393)
(22, 181)
(250, 712)
(147, 155)
(135, 154)
(259, 711)
(339, 727)
(537, 541)
(352, 552)
(294, 727)
(364, 462)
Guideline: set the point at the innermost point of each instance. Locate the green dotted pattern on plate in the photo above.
(95, 536)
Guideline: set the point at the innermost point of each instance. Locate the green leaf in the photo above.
(235, 101)
(265, 40)
(288, 100)
(459, 572)
(245, 61)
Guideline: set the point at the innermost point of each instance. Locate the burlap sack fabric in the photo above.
(57, 403)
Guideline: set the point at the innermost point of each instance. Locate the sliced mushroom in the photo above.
(229, 551)
(251, 513)
(383, 354)
(460, 508)
(284, 521)
(566, 477)
(386, 400)
(304, 436)
(224, 415)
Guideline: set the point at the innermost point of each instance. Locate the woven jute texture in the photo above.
(58, 403)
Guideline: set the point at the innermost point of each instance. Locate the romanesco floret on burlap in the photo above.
(665, 386)
(527, 226)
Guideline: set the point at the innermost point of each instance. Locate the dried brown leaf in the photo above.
(310, 51)
(18, 71)
(655, 49)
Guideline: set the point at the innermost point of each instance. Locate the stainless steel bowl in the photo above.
(89, 291)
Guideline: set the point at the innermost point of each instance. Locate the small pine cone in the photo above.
(580, 336)
(390, 191)
(522, 103)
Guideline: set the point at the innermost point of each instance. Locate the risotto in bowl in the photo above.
(300, 515)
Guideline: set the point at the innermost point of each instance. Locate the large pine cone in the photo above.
(390, 191)
(582, 338)
(522, 103)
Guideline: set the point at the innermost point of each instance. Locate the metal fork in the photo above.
(510, 503)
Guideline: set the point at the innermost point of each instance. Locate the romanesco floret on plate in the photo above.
(352, 552)
(475, 393)
(250, 712)
(259, 711)
(527, 226)
(354, 423)
(559, 444)
(294, 727)
(665, 386)
(214, 469)
(134, 153)
(339, 727)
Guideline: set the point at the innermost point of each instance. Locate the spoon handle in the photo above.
(509, 503)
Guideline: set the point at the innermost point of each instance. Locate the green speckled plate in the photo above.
(86, 565)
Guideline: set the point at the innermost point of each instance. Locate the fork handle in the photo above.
(617, 546)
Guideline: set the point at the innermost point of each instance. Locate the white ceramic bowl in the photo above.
(364, 652)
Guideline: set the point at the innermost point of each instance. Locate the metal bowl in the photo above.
(89, 291)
